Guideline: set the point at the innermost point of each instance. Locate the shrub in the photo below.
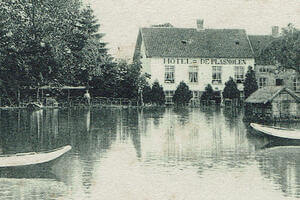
(147, 94)
(231, 91)
(208, 93)
(250, 84)
(157, 94)
(182, 94)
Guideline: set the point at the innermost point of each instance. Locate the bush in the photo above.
(182, 94)
(157, 94)
(208, 93)
(147, 94)
(231, 91)
(250, 84)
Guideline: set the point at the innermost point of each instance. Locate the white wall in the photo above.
(157, 68)
(146, 62)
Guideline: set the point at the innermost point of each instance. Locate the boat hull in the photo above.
(277, 132)
(32, 160)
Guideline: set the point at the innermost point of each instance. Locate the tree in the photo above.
(157, 94)
(128, 77)
(87, 47)
(48, 43)
(147, 95)
(284, 50)
(208, 93)
(231, 91)
(182, 94)
(250, 83)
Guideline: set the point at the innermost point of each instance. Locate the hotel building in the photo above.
(196, 56)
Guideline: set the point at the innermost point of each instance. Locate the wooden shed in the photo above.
(273, 103)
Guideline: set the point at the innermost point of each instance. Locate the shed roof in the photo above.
(190, 43)
(268, 93)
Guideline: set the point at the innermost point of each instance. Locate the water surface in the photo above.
(148, 154)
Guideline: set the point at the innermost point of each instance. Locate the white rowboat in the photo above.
(32, 158)
(286, 133)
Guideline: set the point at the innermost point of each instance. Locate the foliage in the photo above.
(48, 43)
(208, 93)
(120, 80)
(285, 49)
(147, 95)
(128, 80)
(157, 94)
(182, 94)
(231, 91)
(250, 83)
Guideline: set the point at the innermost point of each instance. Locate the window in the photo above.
(239, 74)
(196, 94)
(169, 73)
(216, 74)
(279, 82)
(263, 69)
(169, 96)
(193, 74)
(262, 82)
(296, 84)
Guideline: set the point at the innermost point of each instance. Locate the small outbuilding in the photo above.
(273, 103)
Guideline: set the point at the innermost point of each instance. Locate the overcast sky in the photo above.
(121, 19)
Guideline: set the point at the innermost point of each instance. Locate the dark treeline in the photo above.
(58, 43)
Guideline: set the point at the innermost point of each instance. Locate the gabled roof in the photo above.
(268, 93)
(190, 43)
(259, 42)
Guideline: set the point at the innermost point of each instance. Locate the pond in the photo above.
(154, 153)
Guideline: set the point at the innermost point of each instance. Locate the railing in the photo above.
(97, 101)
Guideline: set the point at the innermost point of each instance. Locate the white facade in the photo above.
(196, 56)
(197, 73)
(157, 68)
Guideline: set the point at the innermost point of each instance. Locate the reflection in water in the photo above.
(281, 165)
(279, 161)
(152, 153)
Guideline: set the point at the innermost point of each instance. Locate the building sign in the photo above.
(206, 61)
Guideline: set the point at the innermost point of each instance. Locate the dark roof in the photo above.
(190, 43)
(259, 42)
(268, 93)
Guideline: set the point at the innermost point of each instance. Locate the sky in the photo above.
(120, 20)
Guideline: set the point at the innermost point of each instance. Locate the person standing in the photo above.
(87, 97)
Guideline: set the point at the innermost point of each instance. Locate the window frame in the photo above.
(169, 96)
(217, 71)
(263, 69)
(296, 83)
(193, 74)
(169, 74)
(238, 76)
(262, 84)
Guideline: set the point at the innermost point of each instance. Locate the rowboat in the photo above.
(32, 158)
(279, 132)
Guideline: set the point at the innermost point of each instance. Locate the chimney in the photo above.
(200, 24)
(275, 31)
